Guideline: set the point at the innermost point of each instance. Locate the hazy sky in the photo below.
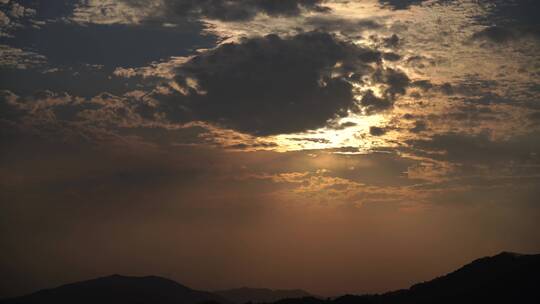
(329, 145)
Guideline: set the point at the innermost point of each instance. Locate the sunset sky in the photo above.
(336, 146)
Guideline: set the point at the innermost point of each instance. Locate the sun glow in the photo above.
(349, 132)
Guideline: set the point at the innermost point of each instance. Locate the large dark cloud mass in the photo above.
(260, 86)
(236, 10)
(274, 85)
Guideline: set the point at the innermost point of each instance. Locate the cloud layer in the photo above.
(235, 10)
(273, 85)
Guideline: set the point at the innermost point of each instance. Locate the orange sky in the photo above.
(332, 146)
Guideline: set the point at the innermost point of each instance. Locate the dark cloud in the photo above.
(236, 10)
(495, 34)
(511, 13)
(476, 90)
(396, 80)
(508, 21)
(342, 126)
(392, 41)
(313, 140)
(373, 103)
(377, 131)
(481, 148)
(406, 4)
(400, 4)
(420, 62)
(447, 89)
(422, 84)
(391, 56)
(500, 35)
(273, 85)
(419, 126)
(261, 86)
(473, 115)
(409, 116)
(254, 145)
(349, 27)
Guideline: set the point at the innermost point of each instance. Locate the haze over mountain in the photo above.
(504, 278)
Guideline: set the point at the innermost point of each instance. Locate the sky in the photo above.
(335, 146)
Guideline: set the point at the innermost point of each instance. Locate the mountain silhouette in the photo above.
(260, 295)
(117, 289)
(504, 278)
